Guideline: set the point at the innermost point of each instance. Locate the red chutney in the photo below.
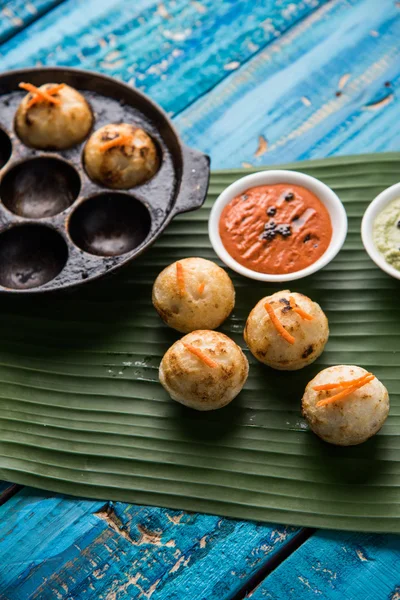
(276, 228)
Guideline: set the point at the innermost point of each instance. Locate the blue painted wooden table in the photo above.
(250, 82)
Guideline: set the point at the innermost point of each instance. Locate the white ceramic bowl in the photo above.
(323, 192)
(370, 215)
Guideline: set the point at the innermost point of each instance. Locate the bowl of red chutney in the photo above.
(277, 225)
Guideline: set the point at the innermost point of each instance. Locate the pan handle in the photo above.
(194, 183)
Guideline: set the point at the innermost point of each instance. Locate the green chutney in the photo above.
(386, 233)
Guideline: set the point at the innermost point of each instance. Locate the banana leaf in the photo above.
(82, 411)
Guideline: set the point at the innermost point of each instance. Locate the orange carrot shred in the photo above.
(39, 95)
(180, 278)
(197, 352)
(302, 313)
(346, 383)
(120, 140)
(201, 288)
(55, 89)
(346, 392)
(278, 325)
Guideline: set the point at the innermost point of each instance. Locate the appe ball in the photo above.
(45, 125)
(204, 370)
(309, 334)
(193, 293)
(120, 156)
(354, 418)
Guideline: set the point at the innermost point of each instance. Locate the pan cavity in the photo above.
(40, 187)
(109, 224)
(5, 148)
(30, 256)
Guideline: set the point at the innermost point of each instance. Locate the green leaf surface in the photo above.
(82, 412)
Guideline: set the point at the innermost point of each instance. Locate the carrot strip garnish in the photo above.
(36, 99)
(120, 140)
(55, 89)
(180, 279)
(197, 352)
(39, 95)
(302, 313)
(278, 325)
(333, 386)
(346, 392)
(201, 288)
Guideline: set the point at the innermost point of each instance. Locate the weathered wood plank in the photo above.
(55, 547)
(327, 87)
(337, 565)
(17, 14)
(178, 45)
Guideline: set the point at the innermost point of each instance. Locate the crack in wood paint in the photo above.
(262, 146)
(152, 537)
(177, 36)
(122, 590)
(100, 573)
(31, 8)
(281, 536)
(305, 581)
(380, 103)
(163, 12)
(181, 561)
(147, 537)
(343, 80)
(112, 56)
(361, 556)
(112, 65)
(109, 516)
(231, 66)
(175, 519)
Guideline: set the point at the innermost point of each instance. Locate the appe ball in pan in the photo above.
(59, 119)
(286, 331)
(120, 156)
(355, 416)
(193, 293)
(204, 370)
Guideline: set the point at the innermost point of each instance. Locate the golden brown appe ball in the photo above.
(352, 419)
(309, 334)
(120, 156)
(193, 293)
(46, 125)
(204, 370)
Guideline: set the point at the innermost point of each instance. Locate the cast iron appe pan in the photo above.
(58, 228)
